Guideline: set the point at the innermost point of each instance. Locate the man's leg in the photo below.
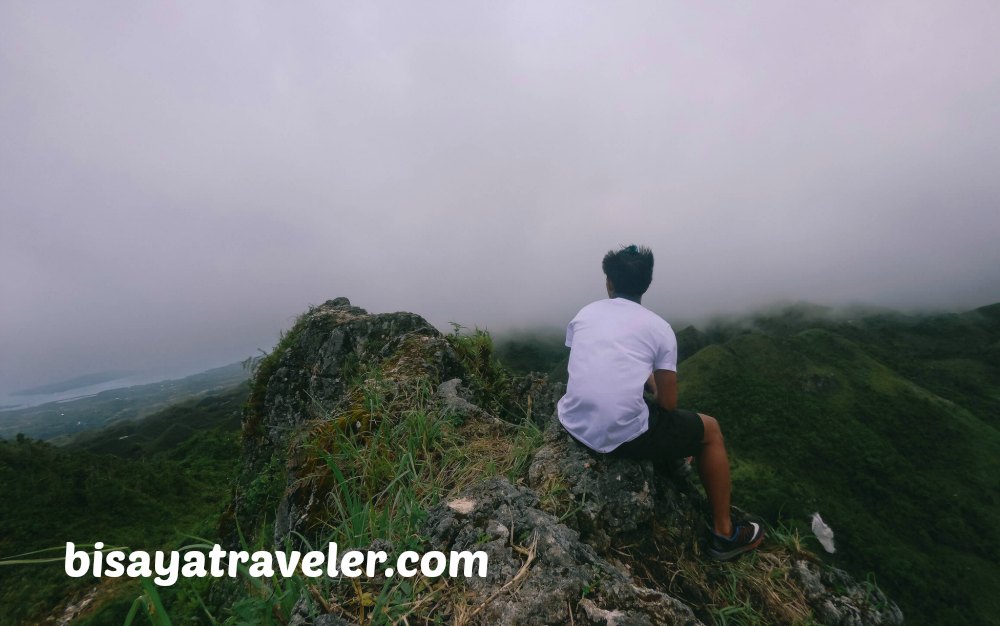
(713, 468)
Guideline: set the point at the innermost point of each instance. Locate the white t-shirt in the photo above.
(615, 345)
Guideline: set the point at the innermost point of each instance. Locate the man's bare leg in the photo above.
(713, 468)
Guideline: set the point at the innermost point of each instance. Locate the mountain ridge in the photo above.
(340, 380)
(893, 416)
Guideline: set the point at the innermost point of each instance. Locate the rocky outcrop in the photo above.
(836, 598)
(565, 550)
(580, 538)
(307, 378)
(540, 571)
(608, 499)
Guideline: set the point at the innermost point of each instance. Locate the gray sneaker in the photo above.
(746, 536)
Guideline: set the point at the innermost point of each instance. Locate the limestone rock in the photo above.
(839, 600)
(457, 399)
(309, 378)
(539, 570)
(609, 497)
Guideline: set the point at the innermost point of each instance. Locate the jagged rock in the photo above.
(537, 396)
(606, 503)
(538, 568)
(456, 399)
(309, 376)
(610, 497)
(308, 379)
(839, 600)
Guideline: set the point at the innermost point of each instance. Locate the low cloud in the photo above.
(178, 182)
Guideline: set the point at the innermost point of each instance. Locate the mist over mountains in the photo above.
(180, 181)
(474, 162)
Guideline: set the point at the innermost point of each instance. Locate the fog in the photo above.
(179, 180)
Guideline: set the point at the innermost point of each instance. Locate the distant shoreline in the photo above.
(78, 382)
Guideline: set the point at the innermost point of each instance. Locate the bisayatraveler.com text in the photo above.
(168, 566)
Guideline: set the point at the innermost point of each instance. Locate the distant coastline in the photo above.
(55, 414)
(77, 382)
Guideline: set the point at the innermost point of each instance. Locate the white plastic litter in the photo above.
(823, 532)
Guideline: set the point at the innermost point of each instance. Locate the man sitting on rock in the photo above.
(618, 350)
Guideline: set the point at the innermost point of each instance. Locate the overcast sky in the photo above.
(179, 180)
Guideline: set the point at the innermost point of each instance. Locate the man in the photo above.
(618, 349)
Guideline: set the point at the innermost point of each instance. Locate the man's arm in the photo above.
(666, 388)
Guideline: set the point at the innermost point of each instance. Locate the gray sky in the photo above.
(179, 180)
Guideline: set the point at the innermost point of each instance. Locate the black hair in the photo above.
(630, 269)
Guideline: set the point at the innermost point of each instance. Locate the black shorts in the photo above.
(671, 435)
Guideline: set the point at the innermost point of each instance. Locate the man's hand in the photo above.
(666, 388)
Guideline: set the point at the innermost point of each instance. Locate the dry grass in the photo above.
(754, 589)
(464, 614)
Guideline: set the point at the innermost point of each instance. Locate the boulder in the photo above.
(540, 572)
(610, 499)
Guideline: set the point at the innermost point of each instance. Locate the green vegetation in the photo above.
(886, 424)
(489, 381)
(380, 459)
(541, 351)
(169, 477)
(381, 481)
(750, 591)
(169, 431)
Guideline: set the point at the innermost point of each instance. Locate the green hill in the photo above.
(907, 478)
(165, 430)
(142, 484)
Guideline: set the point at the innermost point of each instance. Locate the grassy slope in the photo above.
(906, 476)
(170, 476)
